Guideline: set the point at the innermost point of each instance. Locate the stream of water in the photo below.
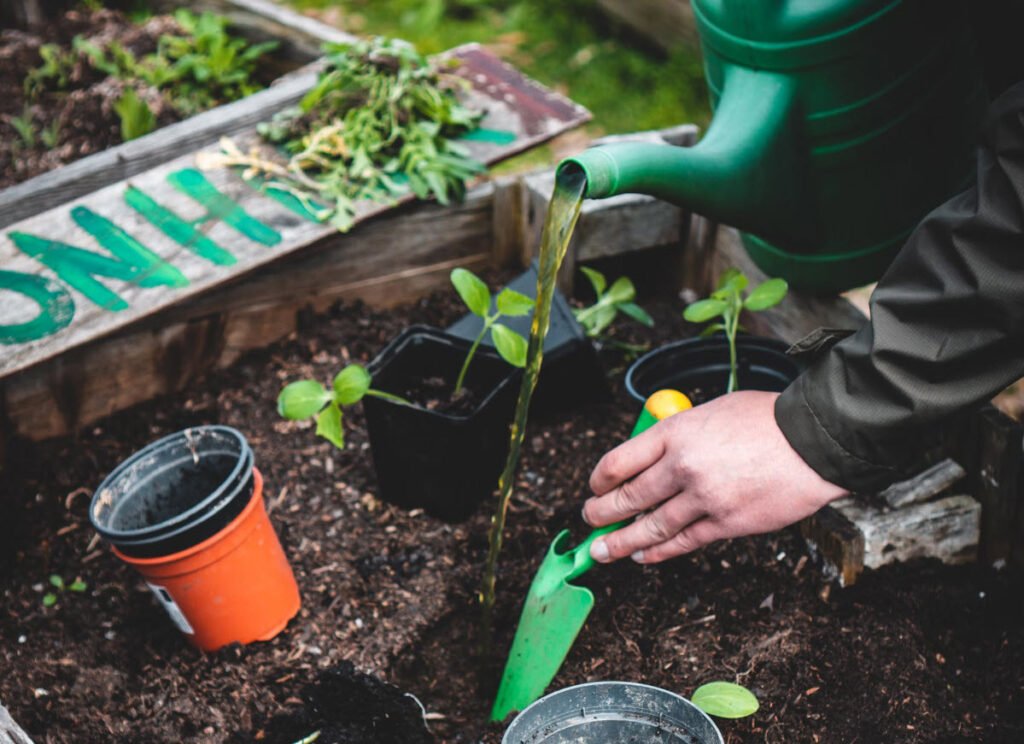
(563, 212)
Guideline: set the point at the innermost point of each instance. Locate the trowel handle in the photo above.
(660, 405)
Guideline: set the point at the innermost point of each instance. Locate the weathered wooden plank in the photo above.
(947, 529)
(924, 486)
(393, 259)
(514, 105)
(837, 542)
(993, 461)
(667, 23)
(10, 731)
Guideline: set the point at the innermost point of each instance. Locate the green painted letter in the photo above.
(177, 229)
(56, 307)
(221, 207)
(76, 266)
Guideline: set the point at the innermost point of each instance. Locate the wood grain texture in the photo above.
(513, 104)
(925, 485)
(667, 23)
(837, 543)
(992, 456)
(947, 529)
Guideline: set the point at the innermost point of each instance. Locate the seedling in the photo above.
(136, 117)
(618, 298)
(509, 303)
(59, 587)
(725, 700)
(25, 127)
(306, 398)
(727, 302)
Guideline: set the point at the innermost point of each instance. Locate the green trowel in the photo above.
(555, 609)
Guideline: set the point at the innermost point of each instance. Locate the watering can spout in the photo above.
(731, 175)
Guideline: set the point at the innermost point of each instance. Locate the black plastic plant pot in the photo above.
(612, 712)
(571, 372)
(699, 367)
(445, 464)
(175, 493)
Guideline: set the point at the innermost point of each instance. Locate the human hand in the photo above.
(720, 470)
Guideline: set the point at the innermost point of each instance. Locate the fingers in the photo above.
(654, 485)
(626, 460)
(693, 537)
(653, 529)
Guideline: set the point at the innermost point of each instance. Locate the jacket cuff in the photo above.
(823, 449)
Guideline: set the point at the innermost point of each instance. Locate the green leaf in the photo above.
(637, 313)
(473, 291)
(78, 586)
(509, 344)
(597, 280)
(601, 319)
(302, 399)
(57, 581)
(513, 303)
(49, 599)
(725, 700)
(732, 279)
(136, 117)
(622, 290)
(766, 295)
(712, 329)
(328, 425)
(704, 310)
(351, 384)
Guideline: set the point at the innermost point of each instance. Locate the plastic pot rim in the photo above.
(743, 340)
(239, 469)
(211, 513)
(546, 700)
(394, 347)
(232, 526)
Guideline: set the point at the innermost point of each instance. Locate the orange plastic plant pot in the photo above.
(234, 587)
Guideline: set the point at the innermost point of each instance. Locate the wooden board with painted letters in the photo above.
(91, 267)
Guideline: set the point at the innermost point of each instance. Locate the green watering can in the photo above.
(555, 609)
(838, 125)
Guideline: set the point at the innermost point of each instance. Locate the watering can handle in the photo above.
(660, 405)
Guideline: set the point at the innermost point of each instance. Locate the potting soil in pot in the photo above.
(914, 653)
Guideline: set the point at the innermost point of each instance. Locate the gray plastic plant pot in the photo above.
(612, 713)
(175, 492)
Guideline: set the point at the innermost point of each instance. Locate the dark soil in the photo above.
(436, 394)
(915, 653)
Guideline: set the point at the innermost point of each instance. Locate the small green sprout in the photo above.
(306, 398)
(725, 700)
(727, 302)
(509, 303)
(60, 586)
(25, 127)
(618, 298)
(136, 117)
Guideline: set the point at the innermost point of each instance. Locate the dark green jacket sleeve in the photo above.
(946, 330)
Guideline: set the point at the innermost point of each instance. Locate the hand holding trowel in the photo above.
(555, 610)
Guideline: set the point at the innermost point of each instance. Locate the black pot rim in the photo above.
(234, 480)
(743, 341)
(148, 547)
(395, 346)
